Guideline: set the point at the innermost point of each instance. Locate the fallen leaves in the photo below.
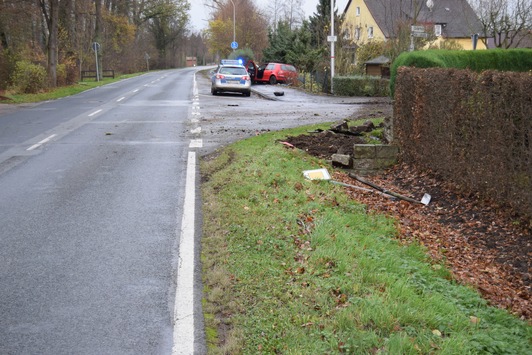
(477, 240)
(436, 332)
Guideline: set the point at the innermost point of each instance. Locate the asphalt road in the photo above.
(92, 189)
(99, 224)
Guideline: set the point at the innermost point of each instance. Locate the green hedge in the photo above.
(361, 86)
(518, 60)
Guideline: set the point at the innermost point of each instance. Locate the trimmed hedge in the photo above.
(518, 60)
(361, 86)
(472, 129)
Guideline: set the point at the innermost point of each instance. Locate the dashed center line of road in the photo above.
(44, 141)
(120, 99)
(95, 113)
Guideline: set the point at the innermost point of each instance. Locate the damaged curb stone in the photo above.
(342, 160)
(374, 157)
(367, 158)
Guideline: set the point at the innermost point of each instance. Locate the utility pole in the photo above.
(332, 39)
(234, 44)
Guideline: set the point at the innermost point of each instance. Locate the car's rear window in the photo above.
(233, 71)
(288, 67)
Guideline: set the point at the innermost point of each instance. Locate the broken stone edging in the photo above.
(367, 158)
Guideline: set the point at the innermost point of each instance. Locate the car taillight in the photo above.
(220, 76)
(245, 77)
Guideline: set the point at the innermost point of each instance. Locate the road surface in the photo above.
(100, 221)
(92, 191)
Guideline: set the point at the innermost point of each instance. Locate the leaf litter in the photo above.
(483, 244)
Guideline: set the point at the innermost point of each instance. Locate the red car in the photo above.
(272, 73)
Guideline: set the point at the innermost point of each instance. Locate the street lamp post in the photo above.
(333, 39)
(234, 21)
(234, 18)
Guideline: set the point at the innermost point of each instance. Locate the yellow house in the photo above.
(437, 20)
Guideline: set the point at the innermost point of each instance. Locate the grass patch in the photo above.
(63, 91)
(295, 267)
(376, 135)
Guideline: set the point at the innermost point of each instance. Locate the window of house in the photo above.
(358, 11)
(357, 33)
(370, 32)
(437, 30)
(347, 34)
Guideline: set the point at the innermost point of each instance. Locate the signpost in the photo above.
(418, 32)
(96, 48)
(414, 28)
(234, 44)
(147, 57)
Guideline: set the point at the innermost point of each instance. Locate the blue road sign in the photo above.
(234, 45)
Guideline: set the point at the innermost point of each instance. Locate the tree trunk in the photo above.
(50, 10)
(52, 43)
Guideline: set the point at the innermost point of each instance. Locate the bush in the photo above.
(67, 73)
(245, 54)
(7, 66)
(361, 86)
(61, 74)
(518, 60)
(29, 78)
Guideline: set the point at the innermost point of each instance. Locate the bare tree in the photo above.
(289, 11)
(506, 22)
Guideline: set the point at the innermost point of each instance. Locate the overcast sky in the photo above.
(199, 13)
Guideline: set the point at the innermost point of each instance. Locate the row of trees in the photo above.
(59, 35)
(135, 34)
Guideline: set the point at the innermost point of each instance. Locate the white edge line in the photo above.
(184, 298)
(45, 140)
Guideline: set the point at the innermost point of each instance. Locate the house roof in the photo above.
(457, 17)
(379, 60)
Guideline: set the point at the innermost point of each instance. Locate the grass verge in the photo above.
(63, 91)
(295, 267)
